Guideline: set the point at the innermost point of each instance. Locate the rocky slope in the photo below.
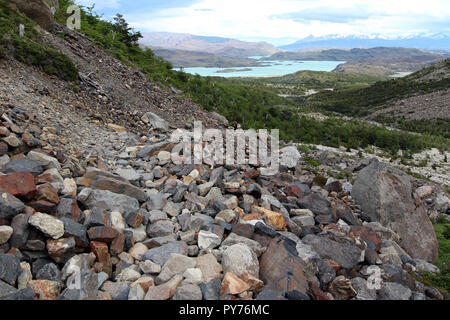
(92, 207)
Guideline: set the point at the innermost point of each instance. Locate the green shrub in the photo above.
(320, 180)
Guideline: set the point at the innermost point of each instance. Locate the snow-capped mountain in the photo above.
(438, 41)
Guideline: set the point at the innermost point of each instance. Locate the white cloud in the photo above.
(289, 19)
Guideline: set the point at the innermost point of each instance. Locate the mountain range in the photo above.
(421, 41)
(214, 45)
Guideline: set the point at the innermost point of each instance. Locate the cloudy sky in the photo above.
(281, 21)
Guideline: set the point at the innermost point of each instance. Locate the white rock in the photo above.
(5, 234)
(424, 191)
(129, 274)
(164, 156)
(208, 240)
(149, 267)
(48, 224)
(289, 157)
(44, 160)
(193, 276)
(70, 187)
(117, 220)
(138, 250)
(239, 259)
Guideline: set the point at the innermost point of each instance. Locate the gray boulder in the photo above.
(385, 196)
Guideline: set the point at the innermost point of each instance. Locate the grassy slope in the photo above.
(300, 82)
(30, 49)
(362, 102)
(254, 106)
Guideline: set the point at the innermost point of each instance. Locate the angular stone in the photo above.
(188, 292)
(45, 289)
(5, 234)
(49, 225)
(281, 269)
(145, 283)
(231, 284)
(176, 265)
(235, 239)
(61, 250)
(239, 259)
(209, 266)
(341, 289)
(108, 200)
(208, 240)
(10, 206)
(149, 267)
(272, 218)
(9, 268)
(119, 187)
(23, 165)
(394, 291)
(254, 283)
(160, 229)
(47, 192)
(135, 219)
(136, 293)
(76, 230)
(102, 234)
(21, 230)
(18, 184)
(211, 289)
(345, 253)
(44, 160)
(68, 208)
(70, 188)
(161, 254)
(315, 202)
(385, 195)
(165, 291)
(49, 272)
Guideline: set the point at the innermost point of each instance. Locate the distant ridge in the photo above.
(432, 42)
(215, 45)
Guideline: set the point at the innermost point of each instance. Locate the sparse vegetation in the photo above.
(30, 49)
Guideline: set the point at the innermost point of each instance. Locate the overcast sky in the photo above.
(285, 20)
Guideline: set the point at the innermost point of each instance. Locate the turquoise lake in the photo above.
(273, 68)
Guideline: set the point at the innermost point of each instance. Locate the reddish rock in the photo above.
(48, 193)
(316, 293)
(333, 264)
(100, 250)
(293, 191)
(231, 284)
(120, 187)
(19, 184)
(144, 282)
(366, 234)
(244, 230)
(43, 206)
(61, 250)
(254, 283)
(117, 244)
(43, 178)
(134, 219)
(45, 289)
(272, 218)
(251, 174)
(102, 234)
(281, 269)
(341, 288)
